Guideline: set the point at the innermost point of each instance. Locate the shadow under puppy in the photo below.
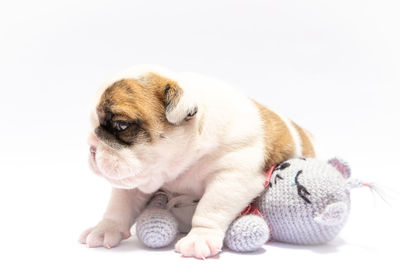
(187, 134)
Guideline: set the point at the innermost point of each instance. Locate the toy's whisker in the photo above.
(388, 191)
(374, 188)
(382, 194)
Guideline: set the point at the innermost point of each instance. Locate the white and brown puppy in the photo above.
(187, 134)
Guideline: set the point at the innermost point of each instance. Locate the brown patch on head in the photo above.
(132, 111)
(170, 92)
(307, 147)
(280, 145)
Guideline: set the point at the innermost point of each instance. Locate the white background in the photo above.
(332, 66)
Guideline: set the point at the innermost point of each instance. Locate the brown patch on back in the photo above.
(279, 142)
(307, 147)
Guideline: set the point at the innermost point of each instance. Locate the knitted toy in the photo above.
(306, 201)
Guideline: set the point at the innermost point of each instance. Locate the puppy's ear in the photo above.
(179, 105)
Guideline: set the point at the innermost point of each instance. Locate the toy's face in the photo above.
(289, 178)
(308, 184)
(307, 201)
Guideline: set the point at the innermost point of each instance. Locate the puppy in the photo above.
(188, 134)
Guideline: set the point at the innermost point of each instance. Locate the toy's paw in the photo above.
(247, 233)
(107, 233)
(200, 243)
(156, 228)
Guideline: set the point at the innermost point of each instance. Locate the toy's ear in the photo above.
(341, 166)
(333, 214)
(179, 104)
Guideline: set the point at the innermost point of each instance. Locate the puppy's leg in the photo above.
(226, 195)
(122, 211)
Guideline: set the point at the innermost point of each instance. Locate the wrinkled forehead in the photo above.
(121, 99)
(135, 72)
(138, 73)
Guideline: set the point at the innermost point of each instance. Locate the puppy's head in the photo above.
(133, 118)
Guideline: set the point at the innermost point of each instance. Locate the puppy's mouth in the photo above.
(125, 183)
(93, 163)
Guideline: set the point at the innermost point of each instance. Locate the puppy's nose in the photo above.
(93, 150)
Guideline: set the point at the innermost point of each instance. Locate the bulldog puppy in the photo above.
(188, 134)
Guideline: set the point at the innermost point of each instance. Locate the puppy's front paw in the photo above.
(107, 233)
(200, 243)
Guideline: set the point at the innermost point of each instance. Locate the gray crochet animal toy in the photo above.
(307, 201)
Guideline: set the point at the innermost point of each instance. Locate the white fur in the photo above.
(218, 156)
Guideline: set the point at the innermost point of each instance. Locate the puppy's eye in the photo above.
(120, 125)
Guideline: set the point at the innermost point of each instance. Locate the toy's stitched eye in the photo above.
(282, 166)
(301, 190)
(278, 177)
(120, 125)
(295, 178)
